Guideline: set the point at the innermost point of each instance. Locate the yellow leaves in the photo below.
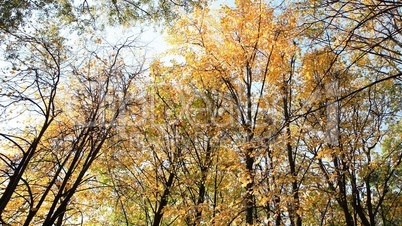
(245, 180)
(318, 63)
(325, 154)
(233, 39)
(155, 68)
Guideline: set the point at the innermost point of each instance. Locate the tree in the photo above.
(259, 114)
(87, 13)
(364, 34)
(243, 51)
(39, 57)
(29, 88)
(359, 37)
(61, 159)
(350, 132)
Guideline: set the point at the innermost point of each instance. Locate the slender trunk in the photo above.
(163, 201)
(369, 205)
(16, 177)
(78, 149)
(293, 210)
(215, 194)
(342, 201)
(202, 188)
(60, 217)
(250, 202)
(250, 188)
(268, 203)
(48, 189)
(278, 218)
(341, 166)
(14, 180)
(344, 206)
(96, 146)
(357, 202)
(201, 198)
(368, 192)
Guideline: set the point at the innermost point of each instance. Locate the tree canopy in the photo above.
(259, 113)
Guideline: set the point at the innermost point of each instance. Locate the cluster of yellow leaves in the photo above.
(224, 43)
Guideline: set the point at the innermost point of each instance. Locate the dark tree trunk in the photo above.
(163, 201)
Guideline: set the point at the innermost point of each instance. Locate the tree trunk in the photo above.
(250, 188)
(163, 201)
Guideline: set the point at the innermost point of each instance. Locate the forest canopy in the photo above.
(258, 113)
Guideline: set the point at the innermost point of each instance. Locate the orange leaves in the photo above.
(318, 64)
(249, 34)
(232, 124)
(244, 54)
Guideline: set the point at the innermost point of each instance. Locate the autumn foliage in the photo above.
(259, 113)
